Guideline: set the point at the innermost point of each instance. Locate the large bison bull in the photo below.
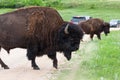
(40, 30)
(95, 26)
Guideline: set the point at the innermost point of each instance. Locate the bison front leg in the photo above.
(31, 54)
(98, 35)
(53, 57)
(91, 36)
(34, 65)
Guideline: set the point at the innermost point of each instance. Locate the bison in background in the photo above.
(95, 26)
(40, 30)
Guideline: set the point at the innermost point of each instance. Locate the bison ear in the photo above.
(66, 29)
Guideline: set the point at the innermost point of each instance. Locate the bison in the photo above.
(95, 26)
(40, 30)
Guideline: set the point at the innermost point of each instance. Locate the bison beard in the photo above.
(40, 30)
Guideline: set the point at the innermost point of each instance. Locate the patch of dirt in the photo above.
(20, 67)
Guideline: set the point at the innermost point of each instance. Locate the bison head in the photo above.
(106, 28)
(69, 39)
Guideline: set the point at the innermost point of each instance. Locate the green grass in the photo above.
(5, 10)
(96, 60)
(61, 4)
(106, 14)
(20, 3)
(106, 62)
(107, 59)
(104, 9)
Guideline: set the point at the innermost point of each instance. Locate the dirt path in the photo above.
(20, 67)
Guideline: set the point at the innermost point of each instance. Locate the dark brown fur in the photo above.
(40, 30)
(27, 19)
(95, 26)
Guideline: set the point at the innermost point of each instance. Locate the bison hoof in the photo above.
(36, 68)
(6, 67)
(55, 66)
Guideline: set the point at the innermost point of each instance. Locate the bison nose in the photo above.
(68, 57)
(77, 47)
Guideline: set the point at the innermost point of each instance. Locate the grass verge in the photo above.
(96, 60)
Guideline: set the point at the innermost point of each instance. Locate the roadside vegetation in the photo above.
(107, 9)
(61, 4)
(97, 59)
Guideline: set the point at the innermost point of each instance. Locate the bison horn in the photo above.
(66, 29)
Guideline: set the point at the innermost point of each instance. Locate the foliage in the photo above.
(19, 3)
(61, 4)
(105, 14)
(5, 10)
(53, 3)
(22, 3)
(105, 64)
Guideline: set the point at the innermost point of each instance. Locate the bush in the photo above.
(10, 4)
(20, 3)
(48, 3)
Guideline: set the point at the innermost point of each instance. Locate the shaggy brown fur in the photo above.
(40, 30)
(94, 26)
(26, 21)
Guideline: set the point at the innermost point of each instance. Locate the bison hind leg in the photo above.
(3, 64)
